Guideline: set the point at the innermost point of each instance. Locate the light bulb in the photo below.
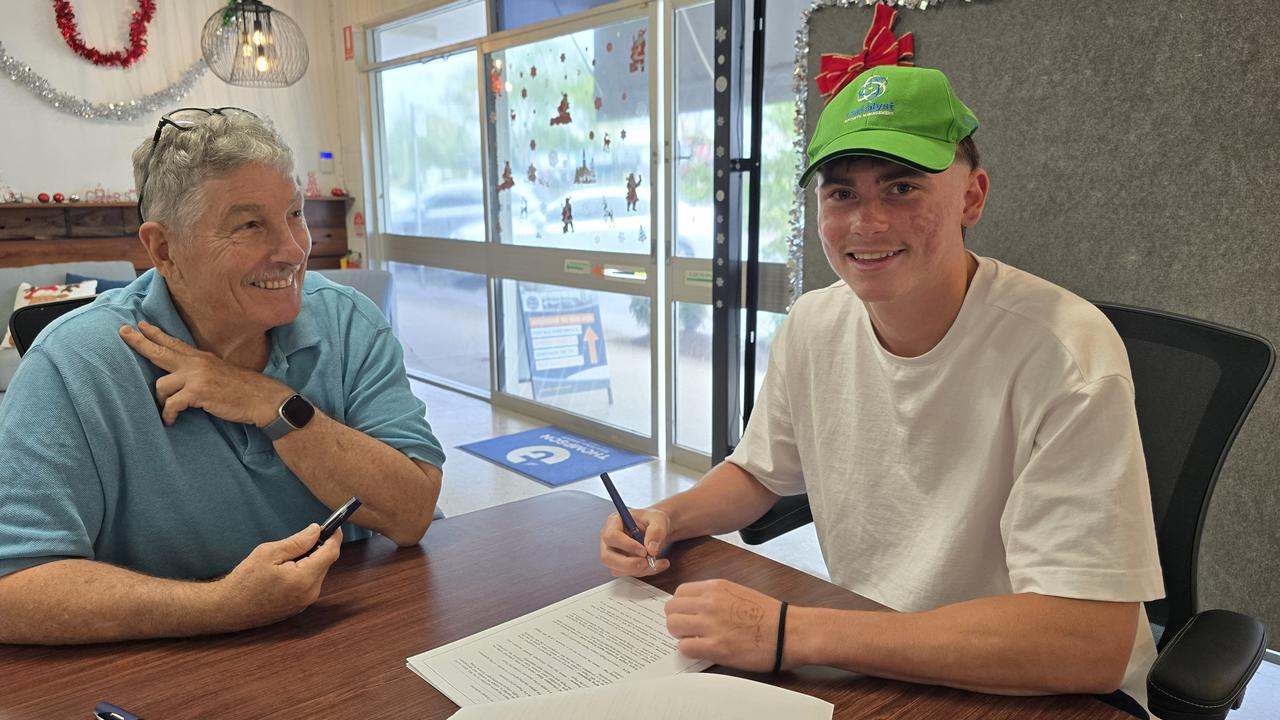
(246, 50)
(262, 64)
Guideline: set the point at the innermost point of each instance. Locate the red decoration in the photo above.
(566, 217)
(495, 81)
(122, 58)
(338, 192)
(879, 48)
(58, 197)
(637, 52)
(43, 197)
(563, 117)
(507, 181)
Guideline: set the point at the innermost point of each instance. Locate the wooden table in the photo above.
(345, 656)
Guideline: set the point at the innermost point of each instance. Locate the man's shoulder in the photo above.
(332, 302)
(1045, 312)
(825, 304)
(93, 328)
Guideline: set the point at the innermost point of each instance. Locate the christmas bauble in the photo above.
(43, 197)
(74, 198)
(338, 192)
(58, 197)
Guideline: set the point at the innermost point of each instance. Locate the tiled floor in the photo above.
(474, 484)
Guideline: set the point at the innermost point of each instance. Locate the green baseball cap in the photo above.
(906, 114)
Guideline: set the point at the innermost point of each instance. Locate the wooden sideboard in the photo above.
(38, 233)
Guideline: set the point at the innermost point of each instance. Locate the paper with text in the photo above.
(705, 697)
(614, 632)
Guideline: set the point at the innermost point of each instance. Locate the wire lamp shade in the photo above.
(251, 44)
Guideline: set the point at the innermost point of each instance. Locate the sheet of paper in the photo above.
(614, 632)
(705, 697)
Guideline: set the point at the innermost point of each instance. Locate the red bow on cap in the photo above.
(879, 48)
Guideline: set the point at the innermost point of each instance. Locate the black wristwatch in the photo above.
(294, 413)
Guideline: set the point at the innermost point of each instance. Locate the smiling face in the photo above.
(893, 233)
(239, 270)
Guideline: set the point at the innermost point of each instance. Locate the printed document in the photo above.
(705, 697)
(614, 632)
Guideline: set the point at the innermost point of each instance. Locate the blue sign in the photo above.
(564, 340)
(552, 456)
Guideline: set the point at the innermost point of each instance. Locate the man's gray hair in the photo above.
(184, 159)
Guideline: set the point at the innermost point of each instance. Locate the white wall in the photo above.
(46, 150)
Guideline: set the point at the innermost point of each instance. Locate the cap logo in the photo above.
(873, 88)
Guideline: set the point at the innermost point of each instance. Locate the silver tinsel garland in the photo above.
(800, 84)
(124, 110)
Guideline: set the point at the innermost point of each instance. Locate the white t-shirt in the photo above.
(1005, 460)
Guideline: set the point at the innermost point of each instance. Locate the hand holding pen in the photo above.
(631, 539)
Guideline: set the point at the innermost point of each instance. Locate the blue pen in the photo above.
(107, 711)
(628, 522)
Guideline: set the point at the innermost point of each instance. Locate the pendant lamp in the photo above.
(251, 44)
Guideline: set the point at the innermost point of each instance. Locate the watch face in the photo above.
(297, 411)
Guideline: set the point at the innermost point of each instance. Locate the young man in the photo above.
(965, 431)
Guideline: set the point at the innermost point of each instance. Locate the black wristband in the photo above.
(782, 634)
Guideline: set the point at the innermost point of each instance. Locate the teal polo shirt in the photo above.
(89, 470)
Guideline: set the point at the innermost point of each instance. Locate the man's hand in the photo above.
(623, 555)
(270, 585)
(725, 623)
(203, 380)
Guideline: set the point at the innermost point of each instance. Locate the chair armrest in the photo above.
(786, 515)
(1203, 670)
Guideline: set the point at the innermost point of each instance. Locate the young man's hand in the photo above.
(626, 557)
(725, 623)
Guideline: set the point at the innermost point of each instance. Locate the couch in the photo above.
(52, 274)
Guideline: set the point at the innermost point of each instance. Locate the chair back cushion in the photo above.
(1195, 383)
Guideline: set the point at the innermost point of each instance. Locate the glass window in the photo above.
(571, 140)
(693, 378)
(694, 131)
(581, 351)
(442, 320)
(431, 157)
(778, 136)
(444, 26)
(518, 13)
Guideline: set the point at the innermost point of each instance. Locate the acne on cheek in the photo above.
(926, 224)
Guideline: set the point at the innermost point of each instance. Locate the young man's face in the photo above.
(892, 233)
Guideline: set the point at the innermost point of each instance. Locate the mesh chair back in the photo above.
(1195, 383)
(26, 322)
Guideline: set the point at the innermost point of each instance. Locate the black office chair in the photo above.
(26, 322)
(1195, 383)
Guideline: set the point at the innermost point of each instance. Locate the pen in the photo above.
(107, 711)
(628, 522)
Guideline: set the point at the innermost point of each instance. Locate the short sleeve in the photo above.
(1078, 521)
(381, 404)
(768, 449)
(51, 502)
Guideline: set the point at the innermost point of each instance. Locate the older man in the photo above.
(157, 445)
(965, 432)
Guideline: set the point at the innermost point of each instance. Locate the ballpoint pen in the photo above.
(628, 522)
(107, 711)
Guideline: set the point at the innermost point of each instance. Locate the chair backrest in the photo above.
(26, 322)
(1195, 383)
(378, 285)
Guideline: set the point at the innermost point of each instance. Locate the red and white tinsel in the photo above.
(138, 22)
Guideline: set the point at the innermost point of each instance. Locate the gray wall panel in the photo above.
(1134, 151)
